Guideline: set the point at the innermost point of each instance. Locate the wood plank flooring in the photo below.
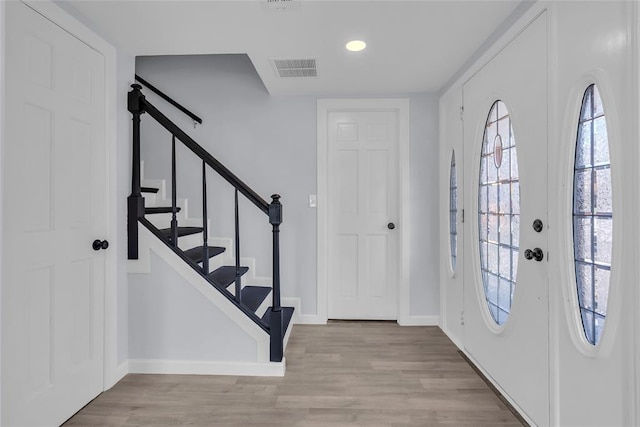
(340, 374)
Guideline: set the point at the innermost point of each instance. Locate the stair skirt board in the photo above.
(149, 242)
(203, 367)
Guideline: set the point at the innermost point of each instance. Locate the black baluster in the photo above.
(205, 228)
(135, 202)
(174, 198)
(276, 327)
(238, 278)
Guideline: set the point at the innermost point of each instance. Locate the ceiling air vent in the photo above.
(280, 5)
(295, 67)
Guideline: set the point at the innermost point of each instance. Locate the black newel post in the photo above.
(276, 327)
(135, 202)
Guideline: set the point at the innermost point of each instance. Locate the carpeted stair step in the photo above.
(252, 296)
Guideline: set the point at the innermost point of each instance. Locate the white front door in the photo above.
(54, 188)
(593, 377)
(507, 338)
(363, 223)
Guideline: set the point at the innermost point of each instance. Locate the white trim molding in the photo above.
(419, 321)
(401, 105)
(205, 367)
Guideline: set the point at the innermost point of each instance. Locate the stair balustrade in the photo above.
(277, 318)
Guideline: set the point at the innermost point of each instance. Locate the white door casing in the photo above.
(362, 187)
(514, 355)
(593, 385)
(55, 199)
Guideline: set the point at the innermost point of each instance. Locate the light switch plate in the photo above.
(313, 200)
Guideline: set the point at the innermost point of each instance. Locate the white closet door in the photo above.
(54, 200)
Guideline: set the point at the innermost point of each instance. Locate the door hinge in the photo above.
(462, 112)
(462, 219)
(462, 318)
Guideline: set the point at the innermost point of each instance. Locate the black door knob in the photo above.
(535, 253)
(100, 244)
(391, 226)
(537, 225)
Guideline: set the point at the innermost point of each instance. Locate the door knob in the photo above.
(537, 225)
(100, 244)
(391, 226)
(535, 253)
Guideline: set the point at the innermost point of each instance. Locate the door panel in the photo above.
(592, 384)
(363, 199)
(54, 175)
(514, 354)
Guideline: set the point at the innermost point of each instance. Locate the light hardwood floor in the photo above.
(340, 374)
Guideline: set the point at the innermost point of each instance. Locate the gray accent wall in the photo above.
(270, 143)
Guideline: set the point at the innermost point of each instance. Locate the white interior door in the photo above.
(54, 192)
(509, 344)
(363, 194)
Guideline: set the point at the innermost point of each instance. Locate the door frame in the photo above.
(112, 372)
(324, 107)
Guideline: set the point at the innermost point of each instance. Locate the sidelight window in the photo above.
(499, 212)
(453, 211)
(592, 215)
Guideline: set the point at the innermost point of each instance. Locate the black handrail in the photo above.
(203, 154)
(138, 105)
(167, 98)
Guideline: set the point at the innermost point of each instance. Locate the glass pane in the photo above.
(583, 149)
(504, 191)
(603, 200)
(584, 275)
(587, 106)
(453, 211)
(587, 323)
(582, 235)
(600, 142)
(505, 262)
(593, 215)
(598, 109)
(515, 231)
(515, 196)
(603, 239)
(493, 227)
(601, 291)
(498, 199)
(493, 258)
(505, 230)
(582, 191)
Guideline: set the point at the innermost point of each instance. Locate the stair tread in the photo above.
(182, 231)
(160, 210)
(195, 254)
(253, 296)
(287, 314)
(149, 189)
(225, 275)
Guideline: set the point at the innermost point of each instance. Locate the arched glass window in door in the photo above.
(499, 212)
(453, 211)
(592, 215)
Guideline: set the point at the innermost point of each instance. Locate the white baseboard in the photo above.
(457, 341)
(298, 317)
(419, 321)
(198, 367)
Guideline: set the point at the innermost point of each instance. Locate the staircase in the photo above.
(189, 238)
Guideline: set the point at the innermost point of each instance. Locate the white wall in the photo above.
(270, 143)
(171, 320)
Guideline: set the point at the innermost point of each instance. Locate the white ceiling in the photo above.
(412, 46)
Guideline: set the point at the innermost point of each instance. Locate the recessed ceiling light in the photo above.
(356, 45)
